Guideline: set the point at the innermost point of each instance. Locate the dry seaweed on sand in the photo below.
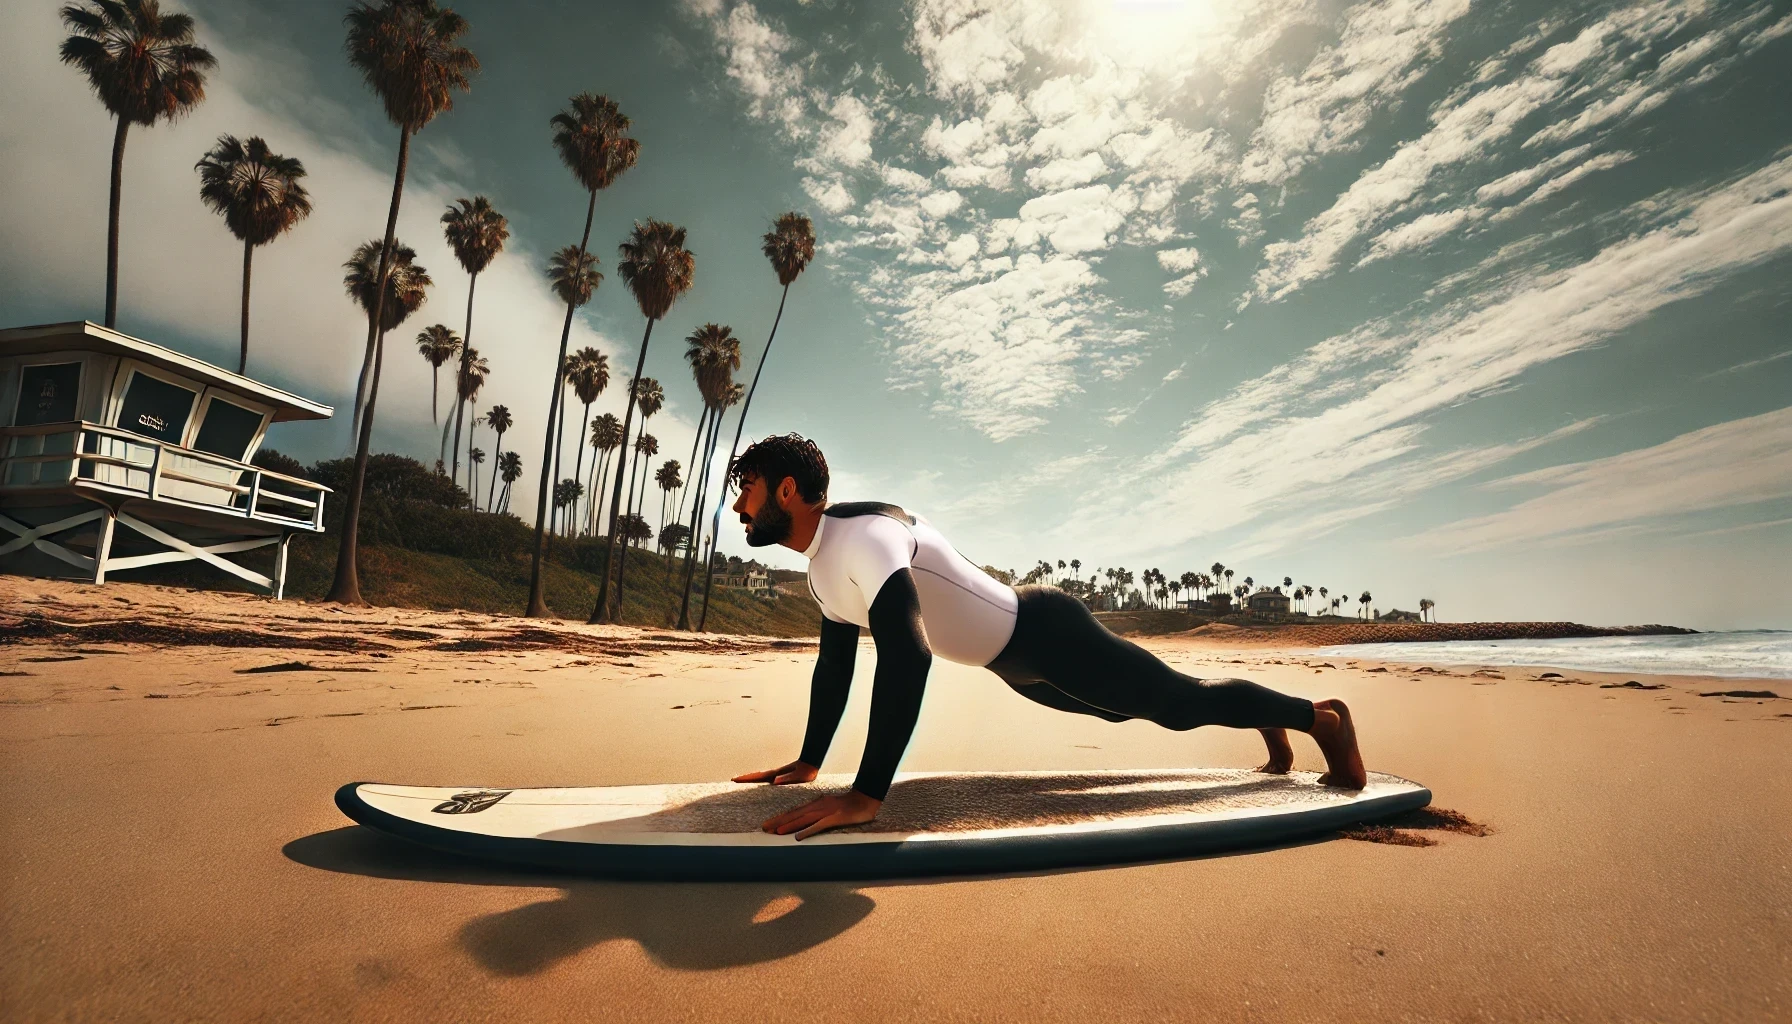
(1404, 829)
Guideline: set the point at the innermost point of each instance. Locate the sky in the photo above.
(1480, 302)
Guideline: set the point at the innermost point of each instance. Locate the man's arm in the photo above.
(903, 659)
(828, 687)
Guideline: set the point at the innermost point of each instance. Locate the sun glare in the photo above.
(1153, 34)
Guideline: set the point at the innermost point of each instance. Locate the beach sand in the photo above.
(172, 853)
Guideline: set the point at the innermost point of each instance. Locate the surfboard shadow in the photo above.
(682, 926)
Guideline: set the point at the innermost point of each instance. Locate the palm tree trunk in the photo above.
(695, 541)
(112, 222)
(435, 391)
(602, 613)
(629, 510)
(242, 363)
(691, 474)
(740, 424)
(466, 349)
(578, 471)
(538, 606)
(497, 456)
(472, 467)
(346, 588)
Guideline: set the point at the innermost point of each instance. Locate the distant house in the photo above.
(757, 582)
(1271, 605)
(1396, 615)
(1219, 604)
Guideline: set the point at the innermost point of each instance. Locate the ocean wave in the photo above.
(1742, 654)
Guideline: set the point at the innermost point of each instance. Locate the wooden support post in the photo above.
(280, 567)
(102, 547)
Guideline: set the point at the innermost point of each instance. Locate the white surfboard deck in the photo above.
(931, 822)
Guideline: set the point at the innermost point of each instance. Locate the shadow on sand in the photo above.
(684, 926)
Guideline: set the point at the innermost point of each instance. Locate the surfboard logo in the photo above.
(471, 803)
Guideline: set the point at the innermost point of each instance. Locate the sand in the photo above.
(172, 853)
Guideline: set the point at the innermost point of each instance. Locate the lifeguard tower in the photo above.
(118, 453)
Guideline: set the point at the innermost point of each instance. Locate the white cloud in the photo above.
(1080, 220)
(1464, 130)
(940, 204)
(1066, 172)
(1736, 463)
(830, 194)
(1419, 232)
(1384, 47)
(846, 142)
(1355, 403)
(1179, 261)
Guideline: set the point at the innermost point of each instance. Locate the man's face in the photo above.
(766, 521)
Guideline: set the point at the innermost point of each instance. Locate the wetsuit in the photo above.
(876, 566)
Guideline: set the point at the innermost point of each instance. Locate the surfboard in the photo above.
(931, 822)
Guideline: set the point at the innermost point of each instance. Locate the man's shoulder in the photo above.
(855, 509)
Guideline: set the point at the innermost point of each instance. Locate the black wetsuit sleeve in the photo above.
(828, 687)
(903, 659)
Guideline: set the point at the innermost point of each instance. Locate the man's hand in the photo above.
(795, 771)
(819, 815)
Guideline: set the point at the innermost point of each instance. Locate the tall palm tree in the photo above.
(510, 467)
(1364, 601)
(475, 456)
(437, 344)
(406, 53)
(649, 398)
(468, 382)
(590, 136)
(714, 354)
(590, 375)
(657, 269)
(669, 479)
(145, 67)
(729, 398)
(477, 233)
(259, 195)
(406, 289)
(498, 418)
(606, 437)
(790, 246)
(573, 274)
(1076, 567)
(1425, 606)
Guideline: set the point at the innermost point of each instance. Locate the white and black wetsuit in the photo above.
(876, 566)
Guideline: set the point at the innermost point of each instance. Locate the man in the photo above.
(876, 566)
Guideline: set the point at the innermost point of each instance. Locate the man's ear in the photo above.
(787, 495)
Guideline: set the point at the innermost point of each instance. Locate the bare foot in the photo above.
(1281, 754)
(1336, 736)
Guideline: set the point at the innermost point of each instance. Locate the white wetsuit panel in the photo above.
(967, 615)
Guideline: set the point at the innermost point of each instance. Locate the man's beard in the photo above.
(770, 526)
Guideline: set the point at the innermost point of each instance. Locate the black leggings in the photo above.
(1063, 657)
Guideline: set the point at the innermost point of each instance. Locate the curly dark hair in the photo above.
(775, 458)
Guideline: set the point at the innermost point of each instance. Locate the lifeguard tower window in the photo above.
(48, 394)
(156, 408)
(227, 429)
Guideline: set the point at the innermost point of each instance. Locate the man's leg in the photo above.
(1057, 639)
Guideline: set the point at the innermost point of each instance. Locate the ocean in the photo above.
(1749, 653)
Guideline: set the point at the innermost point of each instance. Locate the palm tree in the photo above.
(731, 397)
(1364, 601)
(657, 269)
(670, 480)
(591, 139)
(259, 194)
(437, 344)
(714, 354)
(406, 53)
(590, 375)
(646, 447)
(510, 467)
(573, 274)
(468, 382)
(475, 456)
(477, 233)
(1425, 606)
(499, 420)
(145, 67)
(789, 245)
(1076, 567)
(567, 492)
(649, 398)
(606, 437)
(404, 293)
